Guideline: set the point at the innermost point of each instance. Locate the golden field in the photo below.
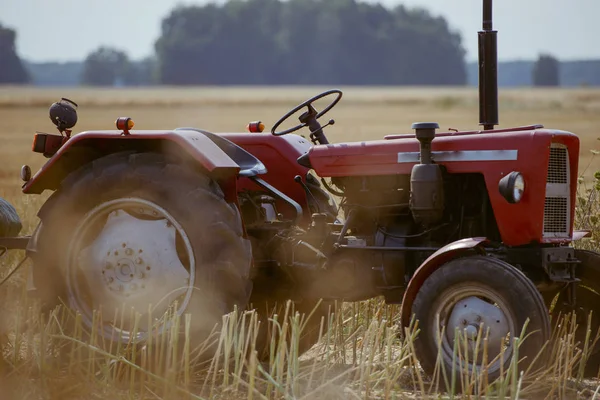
(382, 367)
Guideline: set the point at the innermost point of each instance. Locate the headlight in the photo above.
(512, 187)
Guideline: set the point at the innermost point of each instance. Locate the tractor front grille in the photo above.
(557, 166)
(555, 215)
(557, 205)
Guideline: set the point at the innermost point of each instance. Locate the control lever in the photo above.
(312, 134)
(299, 180)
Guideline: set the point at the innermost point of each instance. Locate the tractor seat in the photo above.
(249, 165)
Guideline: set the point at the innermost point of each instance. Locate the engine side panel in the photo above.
(494, 155)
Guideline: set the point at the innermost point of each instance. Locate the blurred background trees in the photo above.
(298, 42)
(546, 71)
(11, 67)
(307, 42)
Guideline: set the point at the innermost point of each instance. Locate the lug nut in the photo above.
(147, 268)
(128, 252)
(108, 265)
(139, 261)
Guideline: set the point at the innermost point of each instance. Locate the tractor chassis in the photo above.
(14, 243)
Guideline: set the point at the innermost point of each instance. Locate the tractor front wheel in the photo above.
(471, 299)
(138, 232)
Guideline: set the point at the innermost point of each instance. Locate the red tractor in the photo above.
(460, 228)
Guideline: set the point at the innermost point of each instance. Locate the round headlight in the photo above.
(512, 187)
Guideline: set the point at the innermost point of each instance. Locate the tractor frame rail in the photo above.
(14, 243)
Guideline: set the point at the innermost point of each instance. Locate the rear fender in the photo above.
(189, 145)
(429, 266)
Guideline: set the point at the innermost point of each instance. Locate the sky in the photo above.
(67, 30)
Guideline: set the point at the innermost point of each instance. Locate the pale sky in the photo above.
(51, 30)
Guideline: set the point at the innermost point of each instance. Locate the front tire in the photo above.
(139, 230)
(470, 291)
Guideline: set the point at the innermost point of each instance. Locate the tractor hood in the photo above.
(546, 158)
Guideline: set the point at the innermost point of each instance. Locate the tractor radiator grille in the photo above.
(555, 215)
(557, 167)
(557, 205)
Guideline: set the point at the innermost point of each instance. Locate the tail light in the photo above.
(47, 144)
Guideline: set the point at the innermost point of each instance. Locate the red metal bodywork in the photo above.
(279, 154)
(519, 224)
(435, 261)
(198, 146)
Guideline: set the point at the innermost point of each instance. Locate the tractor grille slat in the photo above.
(557, 166)
(557, 222)
(556, 215)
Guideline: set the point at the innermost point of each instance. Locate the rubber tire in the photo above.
(505, 281)
(191, 197)
(589, 273)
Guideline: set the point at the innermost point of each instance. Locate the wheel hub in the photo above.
(134, 263)
(469, 313)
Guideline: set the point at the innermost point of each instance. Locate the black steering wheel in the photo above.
(310, 117)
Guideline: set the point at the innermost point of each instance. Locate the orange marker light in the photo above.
(124, 124)
(255, 127)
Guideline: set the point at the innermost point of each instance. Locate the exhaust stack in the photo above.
(488, 70)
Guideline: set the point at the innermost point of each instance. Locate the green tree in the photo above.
(546, 71)
(105, 67)
(11, 67)
(307, 42)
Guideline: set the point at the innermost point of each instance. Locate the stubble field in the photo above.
(363, 114)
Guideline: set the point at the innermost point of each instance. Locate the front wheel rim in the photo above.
(467, 308)
(129, 253)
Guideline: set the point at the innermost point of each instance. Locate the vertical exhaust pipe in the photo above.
(488, 70)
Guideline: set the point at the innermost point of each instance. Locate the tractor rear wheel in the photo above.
(136, 230)
(470, 292)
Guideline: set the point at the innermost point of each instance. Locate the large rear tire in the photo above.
(139, 230)
(470, 291)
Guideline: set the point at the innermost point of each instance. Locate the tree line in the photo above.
(307, 42)
(263, 42)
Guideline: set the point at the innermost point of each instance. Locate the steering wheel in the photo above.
(310, 117)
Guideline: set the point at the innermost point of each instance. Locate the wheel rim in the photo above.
(466, 308)
(129, 254)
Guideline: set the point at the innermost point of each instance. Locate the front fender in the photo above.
(435, 261)
(88, 146)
